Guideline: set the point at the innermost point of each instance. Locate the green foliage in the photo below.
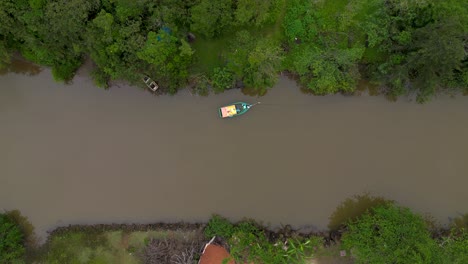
(113, 46)
(256, 12)
(211, 17)
(299, 250)
(408, 47)
(326, 71)
(264, 62)
(65, 71)
(159, 48)
(219, 226)
(222, 79)
(27, 229)
(37, 4)
(455, 247)
(299, 21)
(77, 248)
(100, 78)
(354, 207)
(5, 55)
(64, 249)
(169, 58)
(256, 62)
(200, 84)
(55, 34)
(12, 247)
(422, 45)
(325, 57)
(249, 243)
(239, 52)
(390, 234)
(129, 9)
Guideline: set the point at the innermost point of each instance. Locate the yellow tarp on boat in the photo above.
(228, 111)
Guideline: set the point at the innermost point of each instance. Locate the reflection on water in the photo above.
(460, 222)
(21, 66)
(253, 92)
(364, 87)
(369, 87)
(354, 207)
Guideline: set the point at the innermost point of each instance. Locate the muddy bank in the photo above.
(284, 232)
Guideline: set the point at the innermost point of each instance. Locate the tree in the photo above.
(264, 62)
(390, 234)
(211, 17)
(326, 71)
(257, 12)
(255, 62)
(439, 51)
(455, 247)
(57, 29)
(11, 240)
(324, 47)
(113, 46)
(169, 58)
(299, 22)
(422, 46)
(174, 14)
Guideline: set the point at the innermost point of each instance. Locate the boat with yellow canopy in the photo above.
(235, 109)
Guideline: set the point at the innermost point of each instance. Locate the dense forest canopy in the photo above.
(404, 47)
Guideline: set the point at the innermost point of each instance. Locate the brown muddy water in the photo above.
(75, 153)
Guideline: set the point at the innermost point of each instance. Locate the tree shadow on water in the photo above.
(21, 66)
(352, 208)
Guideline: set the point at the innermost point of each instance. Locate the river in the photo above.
(77, 154)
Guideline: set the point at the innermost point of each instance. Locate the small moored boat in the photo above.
(235, 109)
(152, 85)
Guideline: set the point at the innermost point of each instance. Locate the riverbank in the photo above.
(134, 243)
(252, 242)
(331, 45)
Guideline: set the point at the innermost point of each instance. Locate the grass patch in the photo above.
(209, 53)
(121, 246)
(212, 53)
(80, 247)
(372, 55)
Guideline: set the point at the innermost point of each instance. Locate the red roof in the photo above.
(214, 254)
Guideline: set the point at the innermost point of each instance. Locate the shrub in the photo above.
(455, 247)
(100, 78)
(222, 79)
(12, 249)
(219, 226)
(66, 70)
(354, 207)
(200, 85)
(249, 243)
(390, 234)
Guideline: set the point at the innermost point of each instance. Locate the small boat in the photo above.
(152, 85)
(235, 109)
